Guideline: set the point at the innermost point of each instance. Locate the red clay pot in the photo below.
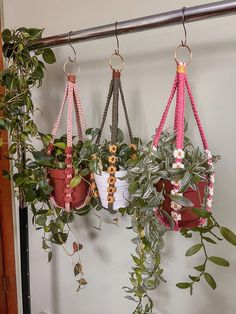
(57, 181)
(189, 218)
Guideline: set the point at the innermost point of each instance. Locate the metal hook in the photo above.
(75, 55)
(117, 50)
(184, 43)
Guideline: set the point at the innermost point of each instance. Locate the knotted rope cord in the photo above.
(115, 112)
(110, 92)
(180, 82)
(126, 112)
(165, 114)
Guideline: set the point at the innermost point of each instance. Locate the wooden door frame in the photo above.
(6, 223)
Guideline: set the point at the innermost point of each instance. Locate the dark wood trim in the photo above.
(6, 223)
(3, 300)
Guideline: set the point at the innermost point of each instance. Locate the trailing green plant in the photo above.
(146, 205)
(24, 70)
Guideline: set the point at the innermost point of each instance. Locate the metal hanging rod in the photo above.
(192, 14)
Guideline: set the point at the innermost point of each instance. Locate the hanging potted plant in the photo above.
(171, 188)
(109, 158)
(69, 174)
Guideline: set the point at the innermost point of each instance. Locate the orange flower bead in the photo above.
(111, 189)
(134, 156)
(112, 149)
(110, 199)
(134, 146)
(112, 159)
(111, 169)
(112, 180)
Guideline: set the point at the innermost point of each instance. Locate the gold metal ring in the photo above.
(122, 61)
(71, 61)
(190, 54)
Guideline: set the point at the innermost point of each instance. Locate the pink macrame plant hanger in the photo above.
(184, 217)
(63, 194)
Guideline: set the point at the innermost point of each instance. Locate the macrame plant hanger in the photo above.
(115, 91)
(72, 95)
(180, 84)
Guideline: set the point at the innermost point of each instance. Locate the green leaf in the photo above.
(200, 267)
(60, 145)
(41, 220)
(219, 261)
(44, 245)
(6, 35)
(185, 182)
(77, 269)
(229, 235)
(83, 210)
(75, 181)
(136, 260)
(150, 284)
(181, 200)
(210, 240)
(201, 212)
(35, 32)
(60, 238)
(45, 187)
(49, 256)
(133, 187)
(12, 149)
(84, 172)
(82, 282)
(210, 280)
(194, 249)
(183, 285)
(48, 56)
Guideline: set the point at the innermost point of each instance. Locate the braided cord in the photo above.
(115, 112)
(165, 114)
(126, 112)
(110, 92)
(81, 125)
(196, 115)
(180, 104)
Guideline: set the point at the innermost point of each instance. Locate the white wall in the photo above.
(147, 78)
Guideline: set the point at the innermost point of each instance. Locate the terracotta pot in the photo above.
(189, 218)
(57, 181)
(122, 189)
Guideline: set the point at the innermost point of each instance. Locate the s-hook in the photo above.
(117, 52)
(184, 43)
(69, 41)
(74, 60)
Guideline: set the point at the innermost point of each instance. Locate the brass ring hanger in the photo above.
(74, 60)
(184, 43)
(117, 52)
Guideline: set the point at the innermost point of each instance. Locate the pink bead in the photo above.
(68, 190)
(69, 150)
(49, 149)
(69, 171)
(67, 181)
(68, 160)
(68, 199)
